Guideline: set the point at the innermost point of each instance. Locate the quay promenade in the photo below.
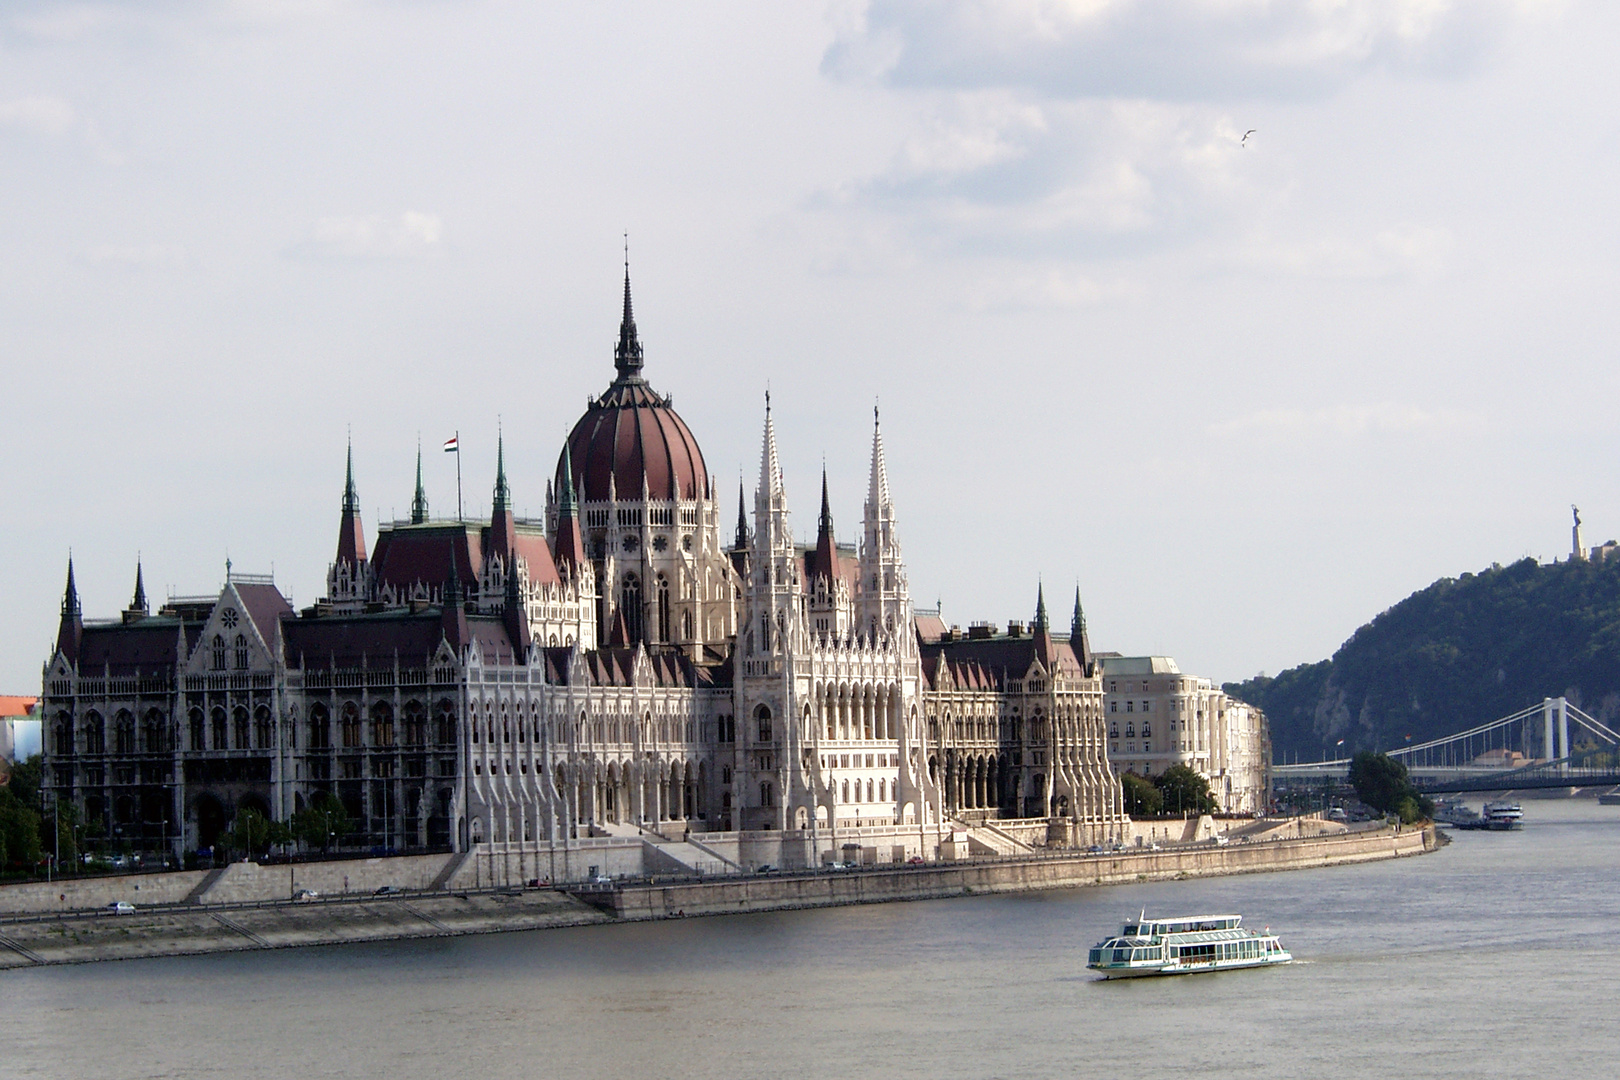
(177, 923)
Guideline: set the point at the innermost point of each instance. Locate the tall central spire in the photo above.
(627, 353)
(503, 493)
(419, 502)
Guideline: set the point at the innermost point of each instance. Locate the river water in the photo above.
(1490, 958)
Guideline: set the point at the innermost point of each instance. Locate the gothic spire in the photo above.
(824, 525)
(351, 537)
(877, 492)
(627, 353)
(419, 503)
(503, 494)
(1041, 621)
(742, 514)
(71, 629)
(567, 501)
(351, 498)
(770, 467)
(70, 598)
(1079, 641)
(139, 603)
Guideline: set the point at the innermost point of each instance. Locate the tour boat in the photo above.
(1182, 946)
(1506, 810)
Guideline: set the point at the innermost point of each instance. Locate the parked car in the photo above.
(915, 860)
(121, 907)
(765, 868)
(306, 894)
(387, 890)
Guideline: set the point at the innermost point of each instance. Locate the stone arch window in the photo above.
(444, 723)
(239, 717)
(767, 794)
(350, 725)
(661, 593)
(320, 728)
(870, 792)
(883, 790)
(416, 728)
(241, 652)
(63, 733)
(686, 626)
(763, 716)
(630, 605)
(199, 740)
(1113, 730)
(95, 734)
(152, 732)
(381, 724)
(219, 653)
(1147, 730)
(263, 732)
(1130, 731)
(216, 721)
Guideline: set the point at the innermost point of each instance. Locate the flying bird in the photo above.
(1244, 141)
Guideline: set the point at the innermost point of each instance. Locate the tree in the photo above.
(1184, 790)
(1142, 799)
(59, 834)
(25, 781)
(19, 831)
(1382, 783)
(322, 823)
(250, 832)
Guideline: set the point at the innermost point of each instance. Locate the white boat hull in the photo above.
(1144, 970)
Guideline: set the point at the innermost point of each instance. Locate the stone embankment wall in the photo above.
(939, 880)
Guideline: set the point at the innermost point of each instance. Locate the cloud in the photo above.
(148, 257)
(38, 115)
(1397, 251)
(1350, 420)
(413, 235)
(1166, 49)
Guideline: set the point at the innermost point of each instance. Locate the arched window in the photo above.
(241, 652)
(1147, 730)
(152, 733)
(95, 735)
(320, 728)
(64, 733)
(382, 724)
(199, 739)
(444, 724)
(630, 605)
(767, 795)
(416, 727)
(240, 718)
(661, 592)
(686, 625)
(763, 716)
(351, 725)
(216, 721)
(846, 792)
(263, 735)
(869, 792)
(219, 653)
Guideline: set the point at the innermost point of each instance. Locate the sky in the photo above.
(1247, 317)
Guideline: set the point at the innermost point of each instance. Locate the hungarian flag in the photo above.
(451, 446)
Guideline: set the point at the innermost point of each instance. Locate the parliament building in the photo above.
(627, 679)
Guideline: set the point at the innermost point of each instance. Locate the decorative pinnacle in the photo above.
(627, 353)
(1077, 625)
(1041, 621)
(567, 505)
(139, 603)
(419, 502)
(503, 494)
(70, 597)
(351, 498)
(825, 525)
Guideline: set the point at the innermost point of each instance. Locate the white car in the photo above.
(120, 907)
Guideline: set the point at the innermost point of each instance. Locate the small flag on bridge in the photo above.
(452, 445)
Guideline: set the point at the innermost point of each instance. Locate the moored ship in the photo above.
(1182, 946)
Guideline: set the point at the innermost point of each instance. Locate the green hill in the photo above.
(1461, 652)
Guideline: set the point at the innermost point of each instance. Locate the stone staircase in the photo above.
(986, 839)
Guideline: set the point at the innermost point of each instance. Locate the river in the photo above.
(1487, 959)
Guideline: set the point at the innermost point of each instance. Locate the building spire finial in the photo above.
(70, 596)
(139, 602)
(503, 494)
(351, 498)
(419, 501)
(567, 501)
(627, 353)
(1041, 621)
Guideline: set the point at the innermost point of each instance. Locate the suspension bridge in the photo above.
(1553, 744)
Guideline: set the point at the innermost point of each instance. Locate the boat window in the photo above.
(1130, 929)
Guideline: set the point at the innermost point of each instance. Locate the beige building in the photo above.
(1158, 716)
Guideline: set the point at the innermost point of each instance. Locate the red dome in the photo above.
(630, 433)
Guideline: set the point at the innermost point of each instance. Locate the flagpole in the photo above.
(458, 476)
